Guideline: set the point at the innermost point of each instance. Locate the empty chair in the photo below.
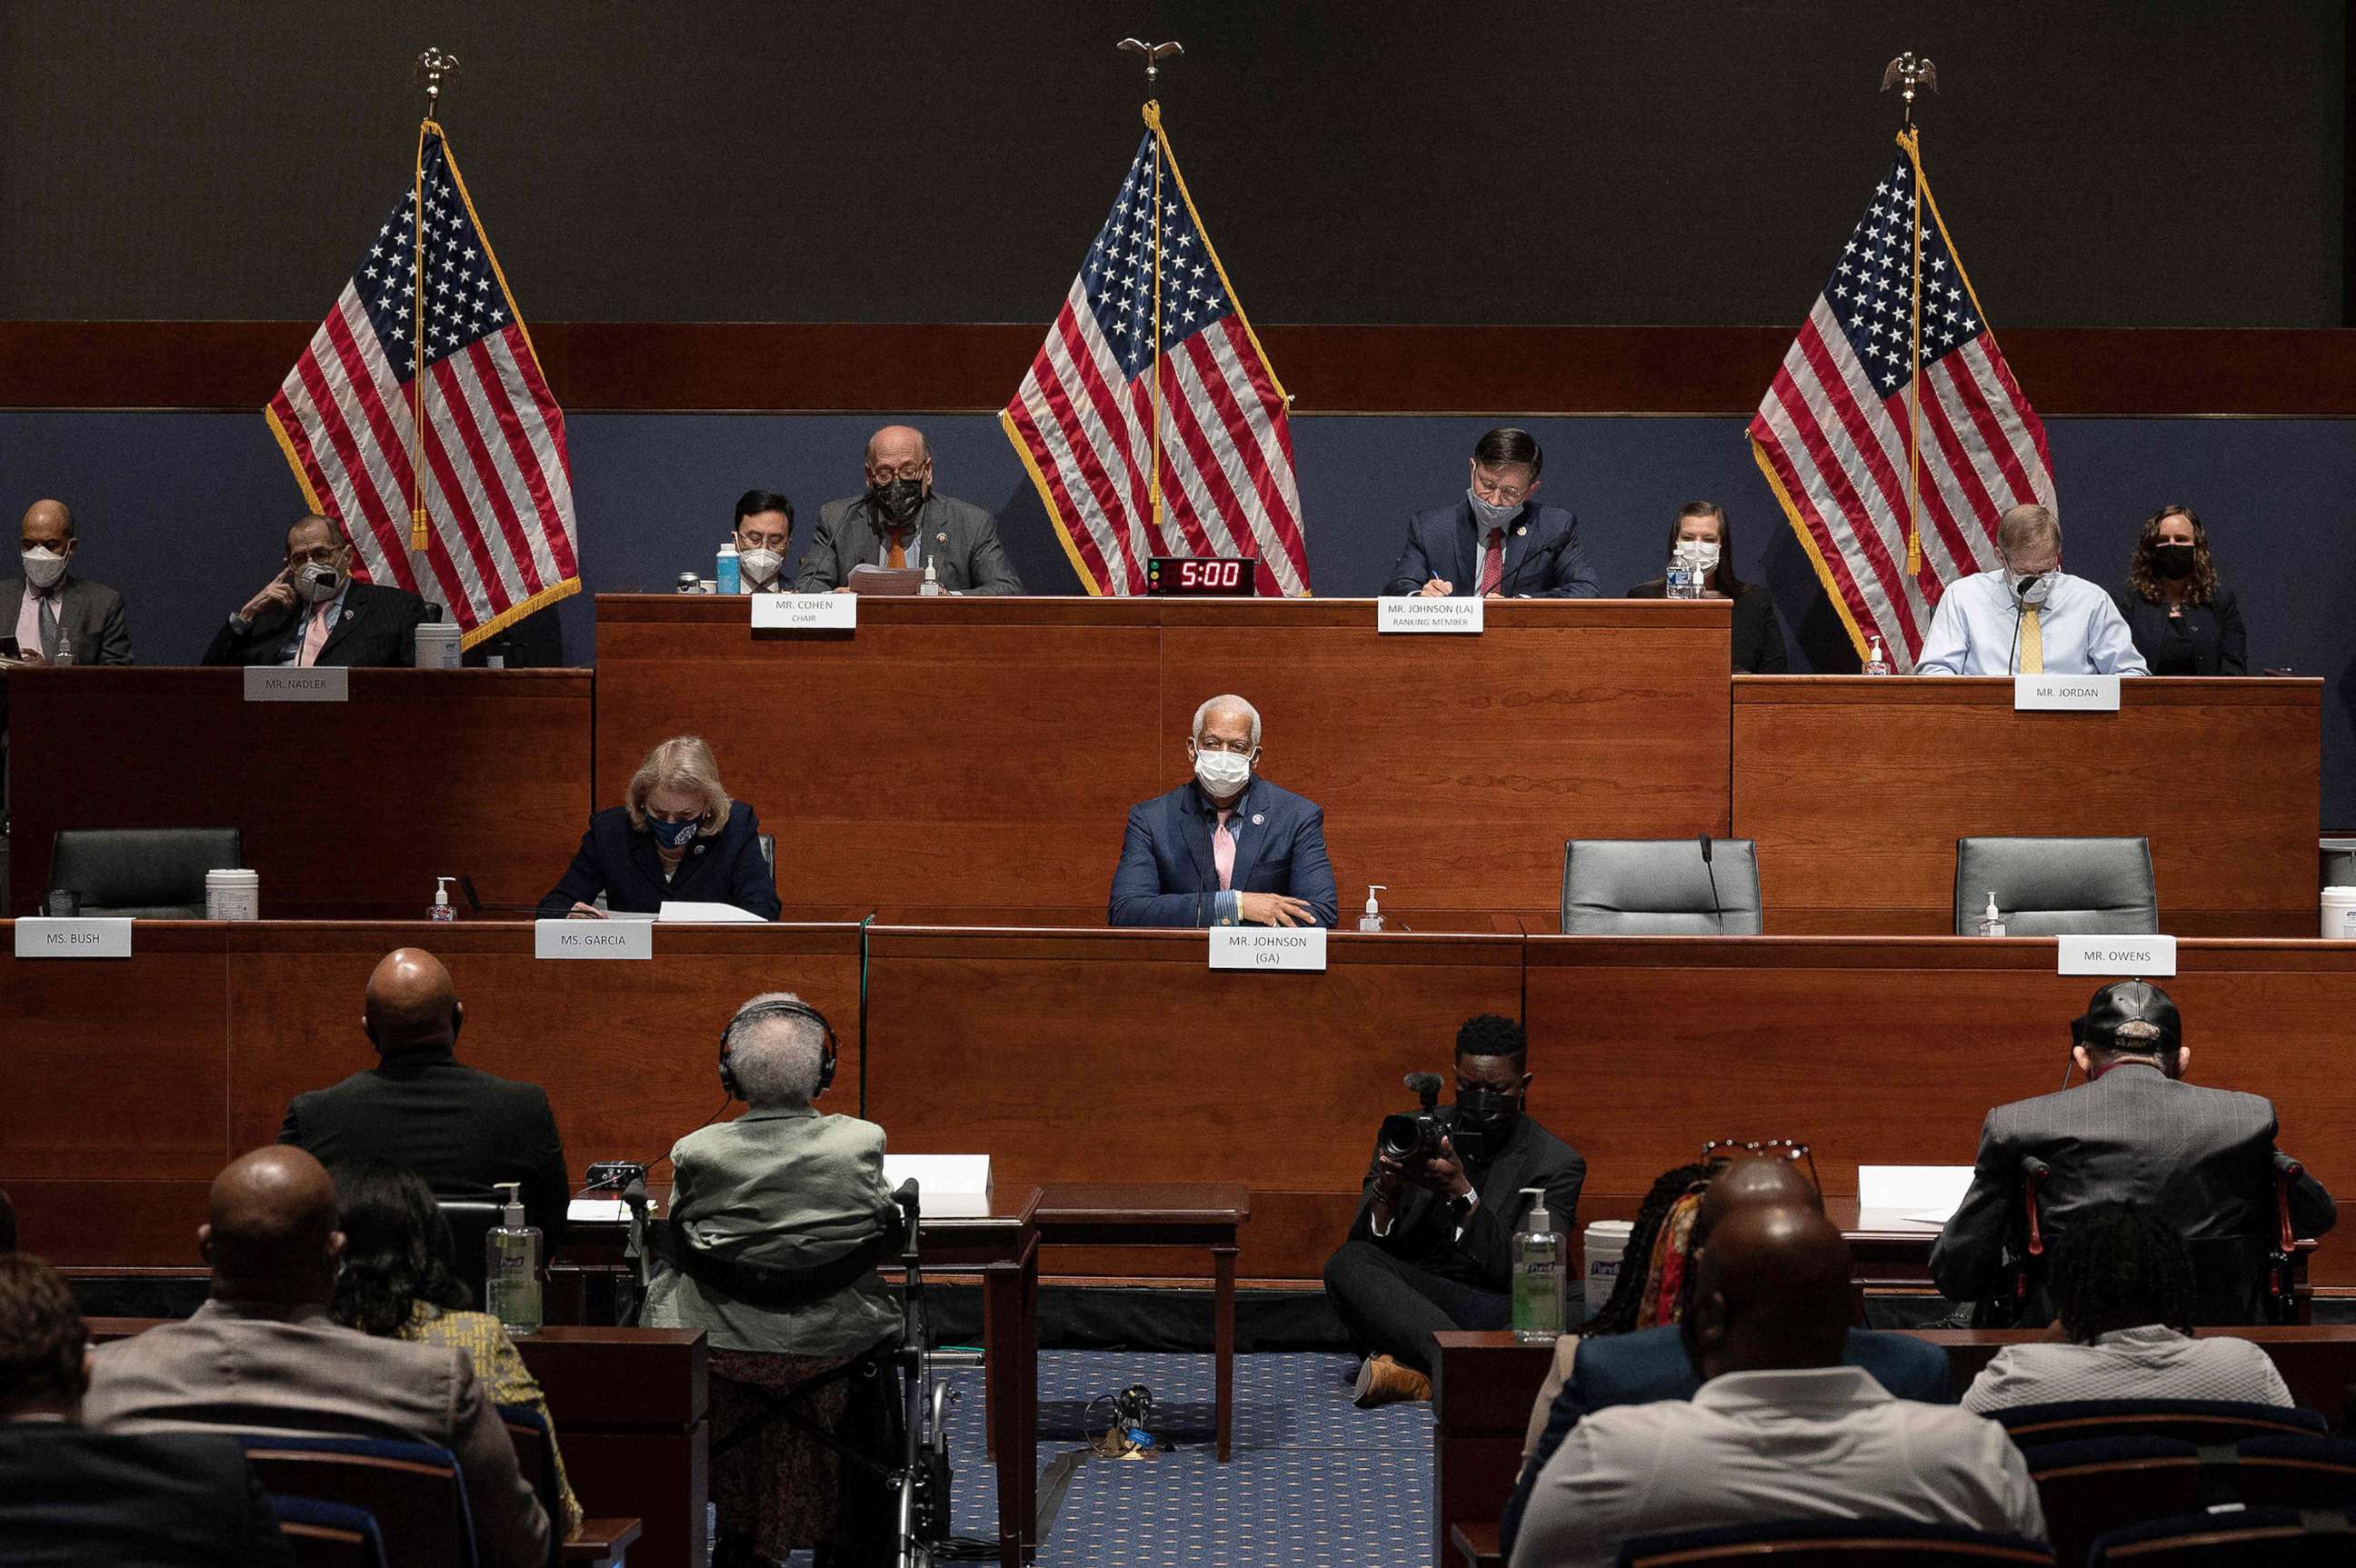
(2052, 887)
(1851, 1542)
(2187, 1421)
(1660, 887)
(2091, 1488)
(147, 873)
(329, 1535)
(2232, 1537)
(413, 1489)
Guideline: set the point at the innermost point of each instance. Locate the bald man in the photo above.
(899, 522)
(263, 1355)
(54, 616)
(423, 1109)
(1651, 1364)
(1781, 1428)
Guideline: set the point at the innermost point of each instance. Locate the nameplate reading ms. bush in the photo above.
(1268, 947)
(805, 612)
(90, 935)
(2065, 693)
(2138, 956)
(593, 938)
(286, 683)
(1428, 615)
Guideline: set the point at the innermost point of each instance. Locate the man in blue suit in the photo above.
(1227, 847)
(1652, 1364)
(1498, 542)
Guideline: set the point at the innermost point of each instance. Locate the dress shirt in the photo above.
(2152, 1362)
(1822, 1442)
(1972, 631)
(1230, 901)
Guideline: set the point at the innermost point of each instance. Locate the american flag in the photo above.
(499, 485)
(1083, 419)
(1833, 434)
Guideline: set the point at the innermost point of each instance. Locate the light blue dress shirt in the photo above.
(1975, 629)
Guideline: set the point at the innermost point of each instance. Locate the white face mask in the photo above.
(1488, 516)
(1701, 554)
(43, 567)
(2038, 590)
(316, 583)
(1222, 772)
(759, 565)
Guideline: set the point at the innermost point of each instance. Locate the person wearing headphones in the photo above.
(2028, 617)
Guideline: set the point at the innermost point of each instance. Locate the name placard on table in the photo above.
(1268, 947)
(285, 683)
(593, 938)
(2138, 956)
(88, 936)
(805, 612)
(2065, 693)
(1416, 613)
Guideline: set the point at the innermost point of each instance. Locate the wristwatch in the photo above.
(1464, 1204)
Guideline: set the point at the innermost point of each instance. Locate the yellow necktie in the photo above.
(2032, 643)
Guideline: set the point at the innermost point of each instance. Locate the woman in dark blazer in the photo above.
(2184, 620)
(1758, 637)
(677, 836)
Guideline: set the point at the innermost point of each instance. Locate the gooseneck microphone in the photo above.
(1715, 908)
(1505, 590)
(2019, 604)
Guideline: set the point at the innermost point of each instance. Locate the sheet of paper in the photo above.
(678, 909)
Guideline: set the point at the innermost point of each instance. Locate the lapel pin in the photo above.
(1519, 531)
(940, 539)
(1258, 817)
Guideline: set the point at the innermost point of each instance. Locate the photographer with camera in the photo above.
(1431, 1247)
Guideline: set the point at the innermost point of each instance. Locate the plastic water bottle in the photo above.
(1537, 1275)
(1876, 662)
(511, 1268)
(1680, 577)
(727, 577)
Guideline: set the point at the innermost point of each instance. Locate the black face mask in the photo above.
(899, 500)
(2173, 560)
(1485, 1119)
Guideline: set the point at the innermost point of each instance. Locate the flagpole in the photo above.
(1153, 54)
(1913, 75)
(433, 65)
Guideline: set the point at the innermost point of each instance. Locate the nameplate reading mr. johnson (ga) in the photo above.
(593, 938)
(2065, 693)
(2138, 956)
(1417, 614)
(286, 683)
(1268, 947)
(805, 612)
(90, 935)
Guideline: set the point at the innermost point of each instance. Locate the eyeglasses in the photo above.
(1497, 494)
(910, 471)
(1788, 1149)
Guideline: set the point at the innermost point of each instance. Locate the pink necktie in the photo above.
(1492, 563)
(1223, 851)
(315, 637)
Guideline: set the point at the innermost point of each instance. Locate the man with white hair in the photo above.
(1227, 847)
(2028, 617)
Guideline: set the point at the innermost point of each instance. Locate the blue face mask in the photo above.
(674, 835)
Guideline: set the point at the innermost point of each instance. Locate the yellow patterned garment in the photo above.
(504, 1375)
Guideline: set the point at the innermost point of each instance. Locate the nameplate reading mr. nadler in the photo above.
(805, 612)
(2065, 693)
(2138, 956)
(286, 683)
(593, 938)
(92, 935)
(1428, 615)
(1268, 947)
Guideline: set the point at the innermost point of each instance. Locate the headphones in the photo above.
(777, 1010)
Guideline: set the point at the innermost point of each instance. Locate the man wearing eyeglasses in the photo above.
(900, 522)
(1498, 542)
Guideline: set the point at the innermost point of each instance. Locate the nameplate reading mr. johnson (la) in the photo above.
(1418, 613)
(89, 936)
(805, 612)
(593, 938)
(1268, 947)
(2065, 693)
(286, 683)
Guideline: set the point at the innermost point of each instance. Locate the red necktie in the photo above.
(1492, 563)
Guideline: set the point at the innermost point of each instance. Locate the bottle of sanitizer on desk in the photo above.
(65, 647)
(1538, 1276)
(1372, 921)
(932, 587)
(1992, 919)
(442, 909)
(511, 1268)
(727, 576)
(1876, 662)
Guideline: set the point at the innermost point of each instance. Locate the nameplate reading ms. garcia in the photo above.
(2136, 956)
(1417, 614)
(805, 612)
(593, 938)
(285, 683)
(2065, 693)
(90, 935)
(1268, 947)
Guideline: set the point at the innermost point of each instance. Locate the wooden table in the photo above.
(1190, 1215)
(349, 810)
(881, 759)
(1856, 790)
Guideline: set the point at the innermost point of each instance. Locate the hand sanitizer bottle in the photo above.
(442, 909)
(1538, 1276)
(1876, 662)
(1992, 919)
(727, 576)
(1372, 921)
(932, 587)
(65, 647)
(511, 1268)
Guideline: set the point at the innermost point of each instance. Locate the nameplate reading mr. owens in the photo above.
(593, 938)
(1268, 947)
(805, 612)
(2065, 693)
(1428, 615)
(92, 935)
(286, 683)
(2138, 956)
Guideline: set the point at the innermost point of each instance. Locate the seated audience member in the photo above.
(765, 537)
(2199, 1159)
(1701, 529)
(899, 522)
(1596, 1371)
(1227, 847)
(2123, 1283)
(313, 612)
(766, 1212)
(1496, 543)
(70, 1496)
(53, 614)
(676, 836)
(2028, 617)
(1431, 1247)
(263, 1355)
(398, 1282)
(2184, 619)
(1779, 1429)
(419, 1109)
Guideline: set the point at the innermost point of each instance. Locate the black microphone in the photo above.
(2019, 600)
(1506, 590)
(1717, 908)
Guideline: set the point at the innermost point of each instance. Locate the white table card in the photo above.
(88, 936)
(1268, 947)
(286, 683)
(593, 938)
(2138, 956)
(1419, 614)
(805, 612)
(2065, 693)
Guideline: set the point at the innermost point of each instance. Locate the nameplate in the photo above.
(2118, 955)
(285, 683)
(90, 935)
(2065, 693)
(805, 612)
(593, 938)
(1419, 614)
(1268, 947)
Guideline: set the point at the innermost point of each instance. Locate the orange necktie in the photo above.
(898, 540)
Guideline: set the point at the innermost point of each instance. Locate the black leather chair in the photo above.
(2047, 887)
(148, 874)
(1660, 887)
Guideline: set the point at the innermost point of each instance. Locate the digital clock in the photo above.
(1168, 574)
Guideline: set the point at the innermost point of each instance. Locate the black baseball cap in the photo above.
(2129, 1001)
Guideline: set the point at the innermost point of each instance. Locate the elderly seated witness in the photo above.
(675, 837)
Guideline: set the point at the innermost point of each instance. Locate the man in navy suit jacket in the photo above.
(1226, 848)
(1497, 541)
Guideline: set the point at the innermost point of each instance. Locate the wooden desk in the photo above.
(1572, 718)
(1856, 790)
(349, 810)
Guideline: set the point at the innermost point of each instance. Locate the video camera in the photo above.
(1411, 1137)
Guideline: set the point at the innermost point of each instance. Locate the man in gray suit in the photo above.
(899, 522)
(263, 1355)
(2201, 1159)
(50, 612)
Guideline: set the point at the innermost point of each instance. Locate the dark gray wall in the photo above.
(2102, 162)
